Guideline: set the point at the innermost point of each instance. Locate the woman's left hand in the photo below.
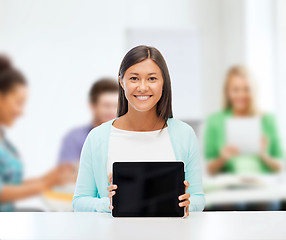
(184, 199)
(264, 145)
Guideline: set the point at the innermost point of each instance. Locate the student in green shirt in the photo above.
(239, 101)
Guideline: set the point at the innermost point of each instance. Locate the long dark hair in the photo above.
(136, 55)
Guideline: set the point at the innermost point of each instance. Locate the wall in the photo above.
(63, 46)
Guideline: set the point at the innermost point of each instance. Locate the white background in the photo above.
(63, 46)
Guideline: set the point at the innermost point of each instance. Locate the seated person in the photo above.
(13, 95)
(239, 101)
(103, 98)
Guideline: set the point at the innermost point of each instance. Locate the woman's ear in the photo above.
(121, 82)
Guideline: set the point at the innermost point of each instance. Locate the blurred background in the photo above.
(63, 47)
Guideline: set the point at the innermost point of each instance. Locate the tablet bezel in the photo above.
(116, 214)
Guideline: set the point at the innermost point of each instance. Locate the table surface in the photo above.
(268, 188)
(203, 225)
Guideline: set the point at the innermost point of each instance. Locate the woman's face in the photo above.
(238, 92)
(12, 104)
(143, 85)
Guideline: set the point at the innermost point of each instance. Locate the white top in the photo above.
(127, 145)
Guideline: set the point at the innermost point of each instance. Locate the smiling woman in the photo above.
(143, 130)
(145, 69)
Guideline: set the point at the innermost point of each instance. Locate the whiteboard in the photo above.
(182, 51)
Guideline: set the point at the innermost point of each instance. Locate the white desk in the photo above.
(266, 194)
(206, 225)
(269, 188)
(47, 203)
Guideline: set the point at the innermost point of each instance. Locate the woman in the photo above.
(13, 94)
(239, 101)
(144, 130)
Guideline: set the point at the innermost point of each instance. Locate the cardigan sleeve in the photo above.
(211, 136)
(86, 198)
(271, 128)
(193, 174)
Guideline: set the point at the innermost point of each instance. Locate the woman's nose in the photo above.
(143, 86)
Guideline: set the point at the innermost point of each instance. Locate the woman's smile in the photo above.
(143, 97)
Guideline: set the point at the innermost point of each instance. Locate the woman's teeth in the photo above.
(142, 98)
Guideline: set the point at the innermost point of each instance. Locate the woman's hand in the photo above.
(271, 162)
(185, 202)
(228, 152)
(184, 199)
(111, 189)
(263, 148)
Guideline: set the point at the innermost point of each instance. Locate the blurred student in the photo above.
(13, 94)
(103, 98)
(239, 101)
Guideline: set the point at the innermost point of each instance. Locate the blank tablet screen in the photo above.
(148, 189)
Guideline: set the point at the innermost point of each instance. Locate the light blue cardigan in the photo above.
(92, 181)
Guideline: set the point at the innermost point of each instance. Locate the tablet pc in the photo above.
(148, 189)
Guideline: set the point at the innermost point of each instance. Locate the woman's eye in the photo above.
(152, 78)
(134, 78)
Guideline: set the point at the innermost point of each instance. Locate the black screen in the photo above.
(148, 189)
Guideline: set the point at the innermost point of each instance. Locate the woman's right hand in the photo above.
(111, 189)
(228, 152)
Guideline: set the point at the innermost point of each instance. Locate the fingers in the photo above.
(110, 178)
(186, 185)
(186, 212)
(111, 187)
(264, 142)
(228, 152)
(185, 199)
(185, 203)
(111, 194)
(235, 151)
(184, 196)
